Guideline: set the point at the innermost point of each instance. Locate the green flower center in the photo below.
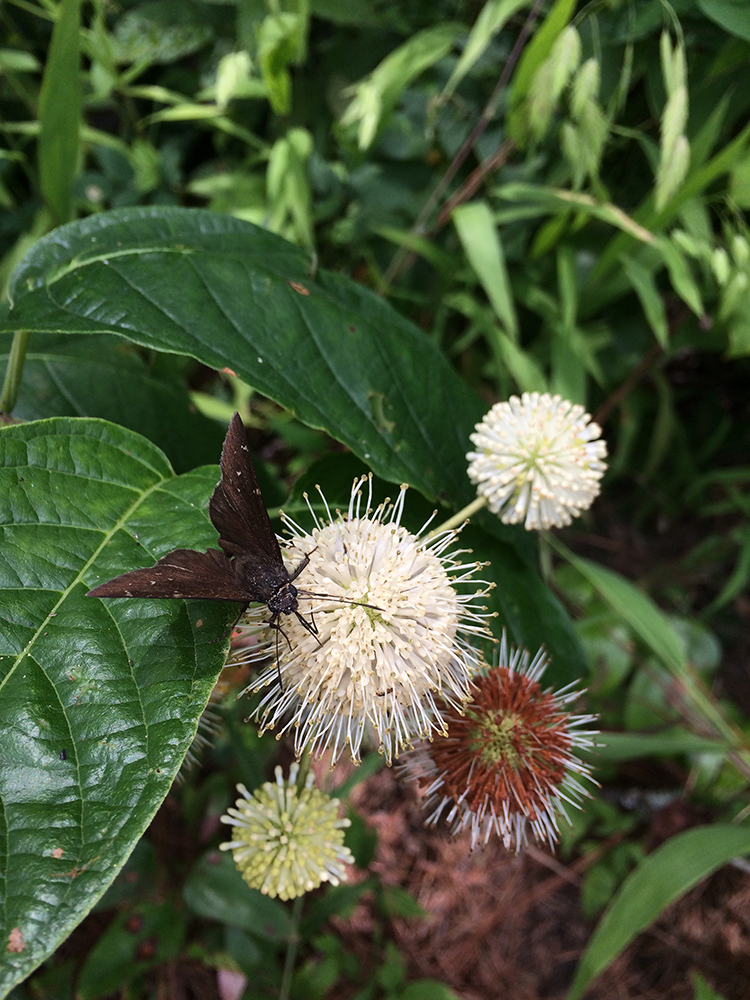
(499, 738)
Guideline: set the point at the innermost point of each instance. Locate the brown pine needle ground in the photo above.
(506, 926)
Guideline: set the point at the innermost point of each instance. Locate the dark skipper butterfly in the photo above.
(249, 567)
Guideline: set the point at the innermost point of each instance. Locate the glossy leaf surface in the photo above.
(99, 700)
(235, 296)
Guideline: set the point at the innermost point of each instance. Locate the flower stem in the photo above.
(460, 517)
(14, 370)
(291, 951)
(545, 557)
(304, 769)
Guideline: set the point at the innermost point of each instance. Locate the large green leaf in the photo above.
(731, 15)
(662, 877)
(232, 295)
(99, 700)
(528, 610)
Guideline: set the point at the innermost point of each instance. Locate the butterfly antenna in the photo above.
(340, 600)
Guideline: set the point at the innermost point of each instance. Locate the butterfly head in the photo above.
(284, 601)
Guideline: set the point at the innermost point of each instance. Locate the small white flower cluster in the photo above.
(538, 460)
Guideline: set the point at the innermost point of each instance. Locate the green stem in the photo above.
(457, 519)
(304, 769)
(14, 371)
(545, 557)
(291, 951)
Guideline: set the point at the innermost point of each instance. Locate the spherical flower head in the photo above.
(287, 840)
(390, 613)
(507, 766)
(539, 460)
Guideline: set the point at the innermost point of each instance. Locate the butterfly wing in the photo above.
(239, 514)
(182, 573)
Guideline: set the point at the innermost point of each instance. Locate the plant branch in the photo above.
(614, 399)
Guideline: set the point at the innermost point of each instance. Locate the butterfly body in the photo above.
(248, 568)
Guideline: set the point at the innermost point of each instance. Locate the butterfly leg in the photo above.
(274, 624)
(311, 627)
(298, 569)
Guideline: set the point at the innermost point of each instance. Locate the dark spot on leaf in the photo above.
(63, 755)
(134, 923)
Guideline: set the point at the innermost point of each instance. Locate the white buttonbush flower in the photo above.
(538, 460)
(287, 840)
(507, 766)
(392, 612)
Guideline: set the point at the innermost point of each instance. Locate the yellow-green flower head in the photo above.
(287, 840)
(392, 613)
(539, 460)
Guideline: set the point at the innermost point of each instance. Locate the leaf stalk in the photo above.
(14, 371)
